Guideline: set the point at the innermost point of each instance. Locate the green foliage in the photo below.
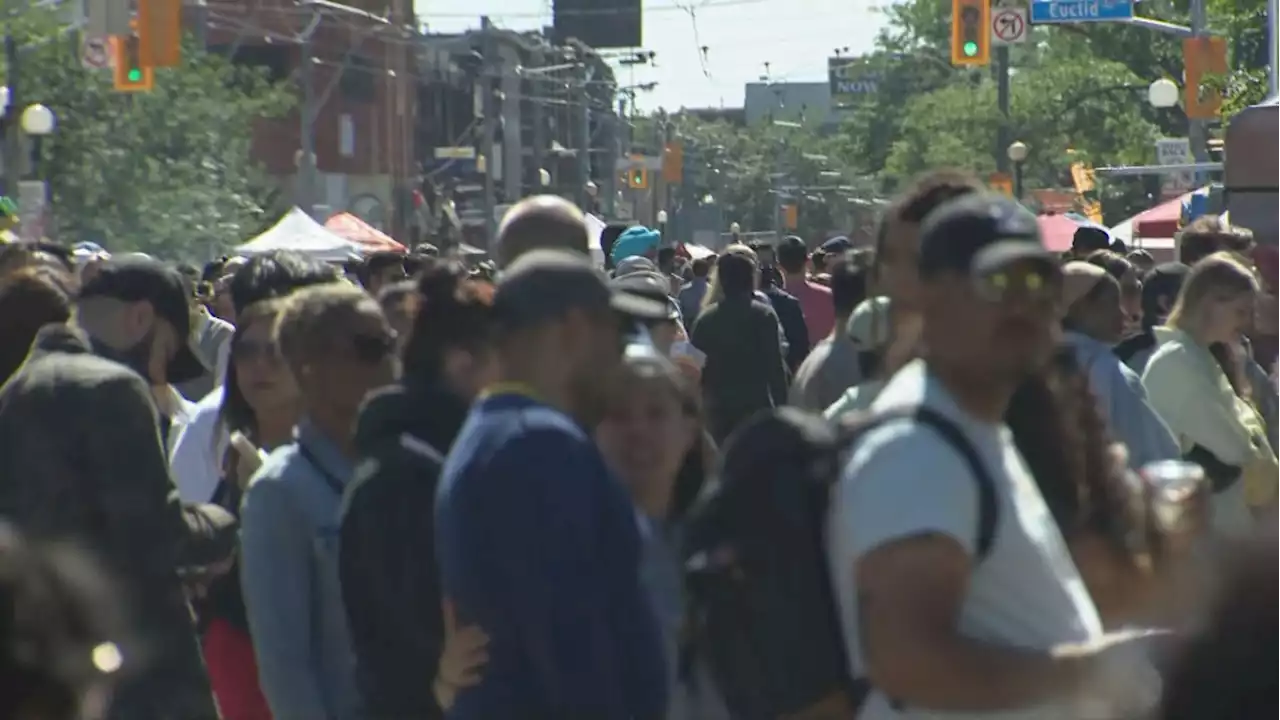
(166, 172)
(1077, 93)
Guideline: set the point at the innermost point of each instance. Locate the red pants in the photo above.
(233, 672)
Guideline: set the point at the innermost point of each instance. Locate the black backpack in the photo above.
(762, 615)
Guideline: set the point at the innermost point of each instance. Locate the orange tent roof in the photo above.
(369, 238)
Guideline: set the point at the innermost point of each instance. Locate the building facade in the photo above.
(362, 91)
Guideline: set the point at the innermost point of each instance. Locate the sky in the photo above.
(795, 38)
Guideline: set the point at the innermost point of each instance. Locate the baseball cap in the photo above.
(647, 284)
(1162, 281)
(868, 326)
(978, 233)
(138, 278)
(634, 264)
(544, 285)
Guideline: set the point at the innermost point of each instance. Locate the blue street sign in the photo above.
(1049, 12)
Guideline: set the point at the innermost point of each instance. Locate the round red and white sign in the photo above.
(94, 53)
(1009, 25)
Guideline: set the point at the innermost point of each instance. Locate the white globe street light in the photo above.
(38, 120)
(1017, 151)
(591, 188)
(662, 217)
(544, 177)
(1163, 93)
(735, 228)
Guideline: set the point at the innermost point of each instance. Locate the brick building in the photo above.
(363, 82)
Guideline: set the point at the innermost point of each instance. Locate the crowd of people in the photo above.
(948, 475)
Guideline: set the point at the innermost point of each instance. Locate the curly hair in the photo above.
(1063, 437)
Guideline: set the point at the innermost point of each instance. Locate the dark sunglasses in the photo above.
(371, 348)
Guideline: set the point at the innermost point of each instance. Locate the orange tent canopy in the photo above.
(370, 239)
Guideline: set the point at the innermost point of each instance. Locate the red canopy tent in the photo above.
(1057, 231)
(370, 239)
(1161, 221)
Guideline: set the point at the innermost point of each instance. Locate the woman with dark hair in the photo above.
(259, 410)
(390, 584)
(30, 298)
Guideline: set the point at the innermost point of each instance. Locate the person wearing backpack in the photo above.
(954, 588)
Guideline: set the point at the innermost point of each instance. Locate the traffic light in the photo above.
(637, 178)
(131, 74)
(159, 27)
(970, 32)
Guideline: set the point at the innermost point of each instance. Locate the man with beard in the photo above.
(956, 592)
(82, 460)
(537, 543)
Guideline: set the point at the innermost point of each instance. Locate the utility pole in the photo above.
(1002, 100)
(1197, 132)
(306, 182)
(538, 151)
(489, 70)
(10, 141)
(584, 147)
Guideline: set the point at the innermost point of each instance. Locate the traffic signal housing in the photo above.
(638, 178)
(131, 74)
(970, 32)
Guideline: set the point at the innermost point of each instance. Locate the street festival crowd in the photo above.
(953, 475)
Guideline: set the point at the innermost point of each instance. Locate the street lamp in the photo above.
(735, 231)
(38, 120)
(1163, 93)
(544, 177)
(1017, 153)
(662, 226)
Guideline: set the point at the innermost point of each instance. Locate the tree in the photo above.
(752, 171)
(166, 172)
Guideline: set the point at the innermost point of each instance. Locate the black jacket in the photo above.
(791, 315)
(745, 371)
(387, 566)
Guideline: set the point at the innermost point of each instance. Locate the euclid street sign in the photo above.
(1047, 12)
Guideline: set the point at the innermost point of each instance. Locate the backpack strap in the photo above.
(988, 497)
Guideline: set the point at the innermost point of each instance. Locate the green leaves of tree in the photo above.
(166, 172)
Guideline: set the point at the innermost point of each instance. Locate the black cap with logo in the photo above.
(141, 279)
(978, 233)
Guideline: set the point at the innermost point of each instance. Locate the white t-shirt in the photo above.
(903, 479)
(196, 460)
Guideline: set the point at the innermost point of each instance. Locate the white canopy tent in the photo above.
(297, 231)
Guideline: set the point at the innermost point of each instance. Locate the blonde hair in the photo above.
(715, 293)
(1218, 276)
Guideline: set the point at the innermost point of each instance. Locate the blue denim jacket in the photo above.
(1123, 402)
(289, 570)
